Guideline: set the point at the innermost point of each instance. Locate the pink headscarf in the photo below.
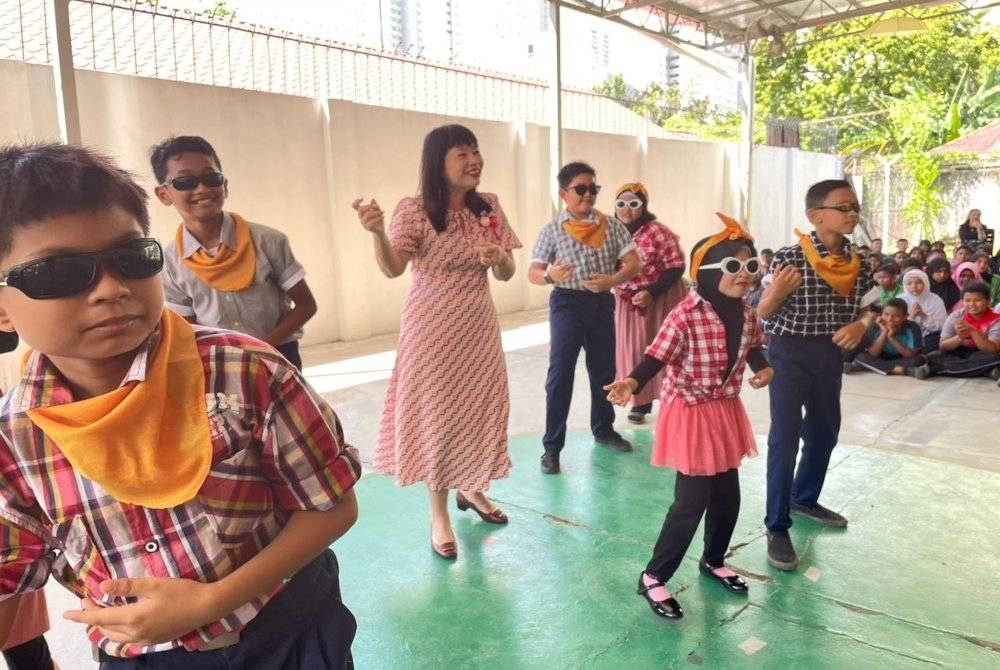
(967, 265)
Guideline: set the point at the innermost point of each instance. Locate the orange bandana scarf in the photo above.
(839, 272)
(732, 230)
(590, 233)
(146, 443)
(229, 269)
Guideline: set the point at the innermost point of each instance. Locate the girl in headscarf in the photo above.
(939, 272)
(926, 309)
(703, 431)
(965, 273)
(643, 302)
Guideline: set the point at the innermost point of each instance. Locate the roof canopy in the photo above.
(724, 24)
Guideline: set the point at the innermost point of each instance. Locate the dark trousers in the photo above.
(886, 364)
(717, 497)
(807, 375)
(579, 319)
(290, 350)
(30, 655)
(962, 362)
(304, 627)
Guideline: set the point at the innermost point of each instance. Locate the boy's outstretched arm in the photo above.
(170, 607)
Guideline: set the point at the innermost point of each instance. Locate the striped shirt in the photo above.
(277, 448)
(815, 309)
(554, 244)
(255, 310)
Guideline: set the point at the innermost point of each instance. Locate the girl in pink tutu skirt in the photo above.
(703, 432)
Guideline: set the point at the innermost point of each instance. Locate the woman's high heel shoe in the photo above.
(496, 516)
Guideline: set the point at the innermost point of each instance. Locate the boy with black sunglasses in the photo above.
(221, 270)
(812, 310)
(582, 253)
(184, 482)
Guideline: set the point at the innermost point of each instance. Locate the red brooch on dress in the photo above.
(489, 223)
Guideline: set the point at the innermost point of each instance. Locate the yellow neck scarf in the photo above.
(146, 443)
(839, 272)
(588, 232)
(229, 269)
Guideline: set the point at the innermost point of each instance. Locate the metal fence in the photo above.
(132, 37)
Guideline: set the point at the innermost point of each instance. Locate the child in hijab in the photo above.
(964, 274)
(942, 285)
(702, 430)
(925, 308)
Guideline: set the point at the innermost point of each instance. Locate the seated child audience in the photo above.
(970, 339)
(184, 482)
(875, 260)
(962, 254)
(899, 257)
(911, 263)
(892, 346)
(926, 309)
(991, 279)
(942, 285)
(964, 274)
(886, 284)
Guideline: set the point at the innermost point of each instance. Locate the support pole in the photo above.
(555, 106)
(67, 106)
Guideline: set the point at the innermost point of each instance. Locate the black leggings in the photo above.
(30, 655)
(715, 496)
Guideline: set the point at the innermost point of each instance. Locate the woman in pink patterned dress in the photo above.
(645, 300)
(446, 409)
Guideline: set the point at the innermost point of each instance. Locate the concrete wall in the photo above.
(780, 178)
(297, 163)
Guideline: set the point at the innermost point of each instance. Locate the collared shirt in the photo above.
(815, 309)
(660, 250)
(692, 345)
(277, 448)
(255, 310)
(554, 244)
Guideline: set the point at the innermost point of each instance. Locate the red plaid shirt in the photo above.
(660, 250)
(692, 345)
(277, 448)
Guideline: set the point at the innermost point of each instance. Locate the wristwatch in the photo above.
(548, 278)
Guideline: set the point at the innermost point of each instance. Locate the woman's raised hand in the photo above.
(371, 215)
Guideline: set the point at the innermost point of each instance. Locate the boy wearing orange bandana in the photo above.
(184, 482)
(811, 310)
(221, 270)
(582, 254)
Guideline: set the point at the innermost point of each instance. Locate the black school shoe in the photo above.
(734, 583)
(550, 463)
(615, 441)
(780, 552)
(819, 513)
(639, 412)
(668, 609)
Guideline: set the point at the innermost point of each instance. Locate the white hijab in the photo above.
(933, 318)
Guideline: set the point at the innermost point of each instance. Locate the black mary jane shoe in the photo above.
(668, 609)
(734, 583)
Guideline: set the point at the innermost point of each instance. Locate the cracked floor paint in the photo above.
(907, 585)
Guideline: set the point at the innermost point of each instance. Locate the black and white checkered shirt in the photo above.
(815, 308)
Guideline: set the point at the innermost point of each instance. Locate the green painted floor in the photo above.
(911, 583)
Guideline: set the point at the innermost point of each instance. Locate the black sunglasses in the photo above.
(582, 189)
(61, 276)
(845, 208)
(189, 182)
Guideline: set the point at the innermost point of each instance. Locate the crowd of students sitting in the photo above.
(936, 315)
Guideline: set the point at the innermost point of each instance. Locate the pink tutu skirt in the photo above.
(702, 439)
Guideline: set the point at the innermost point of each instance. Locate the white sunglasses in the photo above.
(733, 266)
(631, 204)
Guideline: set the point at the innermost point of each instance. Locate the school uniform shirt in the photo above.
(911, 337)
(555, 244)
(692, 345)
(255, 310)
(990, 330)
(815, 309)
(277, 448)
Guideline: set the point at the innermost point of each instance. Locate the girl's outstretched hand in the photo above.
(619, 392)
(762, 378)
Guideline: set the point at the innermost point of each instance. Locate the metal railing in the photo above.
(132, 37)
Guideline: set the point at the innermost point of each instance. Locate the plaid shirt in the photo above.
(692, 345)
(277, 448)
(555, 244)
(660, 250)
(815, 309)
